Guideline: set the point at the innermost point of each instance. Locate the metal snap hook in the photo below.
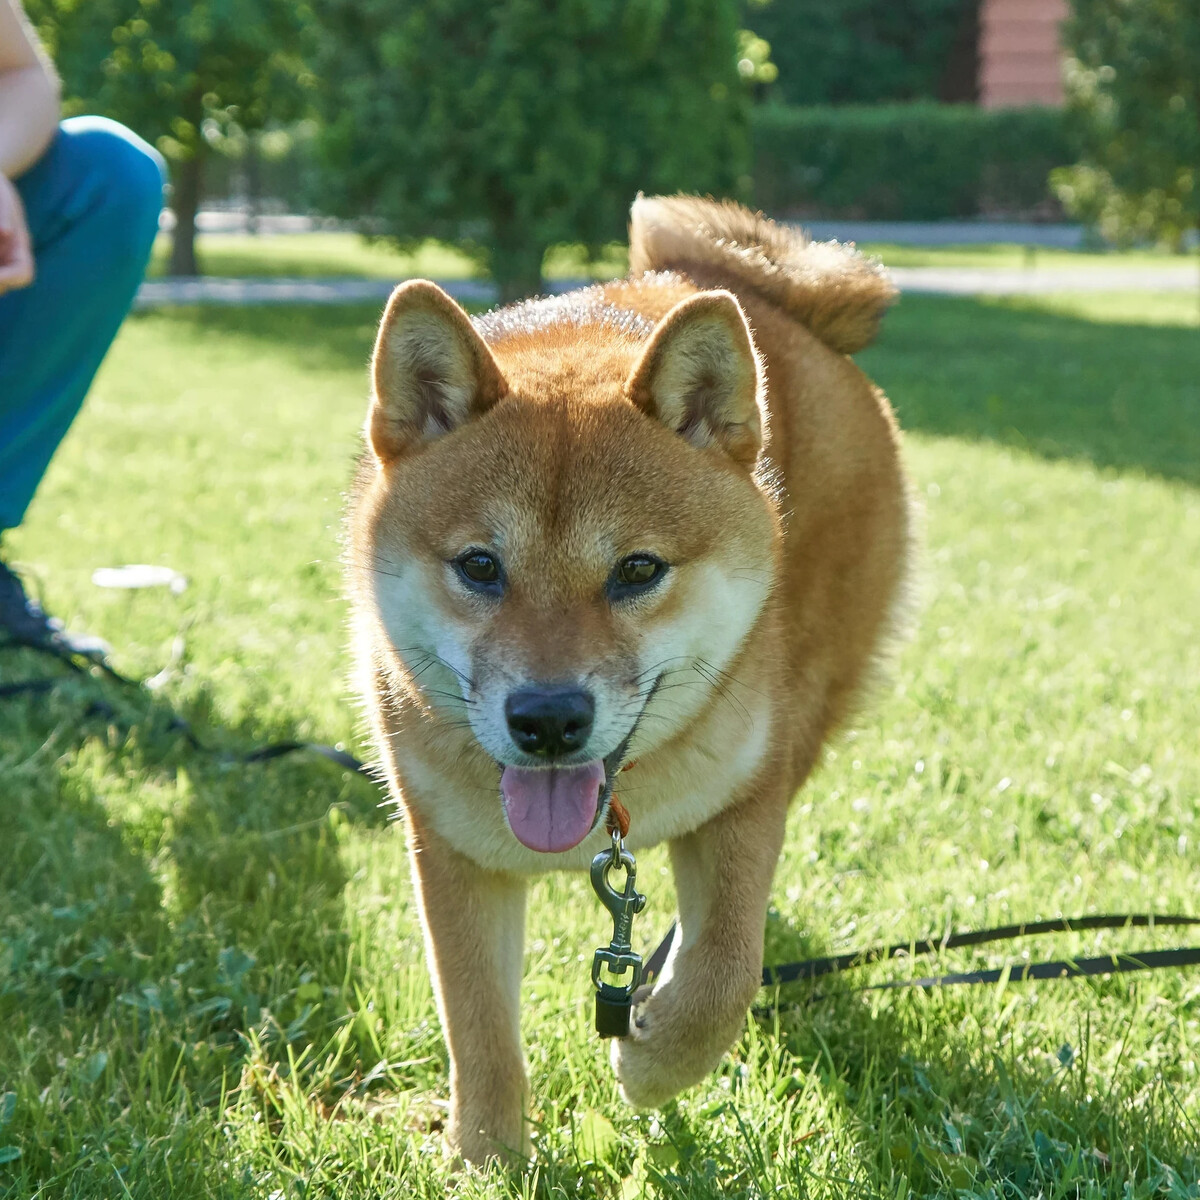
(613, 1001)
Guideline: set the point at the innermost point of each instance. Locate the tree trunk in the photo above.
(253, 168)
(516, 252)
(185, 201)
(517, 269)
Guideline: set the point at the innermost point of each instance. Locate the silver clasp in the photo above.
(618, 955)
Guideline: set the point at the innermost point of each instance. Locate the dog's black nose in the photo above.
(550, 722)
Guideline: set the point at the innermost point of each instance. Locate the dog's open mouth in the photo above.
(552, 808)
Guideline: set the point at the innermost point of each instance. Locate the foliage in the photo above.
(864, 51)
(513, 126)
(1131, 84)
(182, 73)
(754, 58)
(179, 72)
(910, 162)
(212, 983)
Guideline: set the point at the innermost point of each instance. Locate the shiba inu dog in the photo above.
(662, 520)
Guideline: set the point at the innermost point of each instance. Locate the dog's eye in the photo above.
(478, 567)
(637, 569)
(635, 573)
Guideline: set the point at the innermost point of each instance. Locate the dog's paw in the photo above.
(678, 1034)
(487, 1117)
(663, 1053)
(635, 1061)
(472, 1142)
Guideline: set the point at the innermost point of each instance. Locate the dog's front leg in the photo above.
(684, 1025)
(474, 923)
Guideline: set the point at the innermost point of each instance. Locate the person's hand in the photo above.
(16, 252)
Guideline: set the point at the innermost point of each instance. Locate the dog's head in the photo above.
(565, 540)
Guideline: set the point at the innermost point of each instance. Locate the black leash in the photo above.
(80, 663)
(1066, 968)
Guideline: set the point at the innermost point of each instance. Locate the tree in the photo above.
(512, 126)
(1133, 84)
(182, 73)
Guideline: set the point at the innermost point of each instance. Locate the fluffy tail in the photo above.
(831, 289)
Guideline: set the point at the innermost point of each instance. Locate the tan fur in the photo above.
(831, 289)
(700, 376)
(430, 339)
(699, 414)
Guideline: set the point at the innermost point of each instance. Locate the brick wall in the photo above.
(1020, 56)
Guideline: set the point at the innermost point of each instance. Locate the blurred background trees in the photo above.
(1133, 85)
(509, 127)
(512, 126)
(182, 73)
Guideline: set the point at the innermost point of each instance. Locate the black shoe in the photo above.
(23, 620)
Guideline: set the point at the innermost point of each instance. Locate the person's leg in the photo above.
(92, 202)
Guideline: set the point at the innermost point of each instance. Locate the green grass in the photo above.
(1009, 255)
(347, 254)
(211, 977)
(1125, 308)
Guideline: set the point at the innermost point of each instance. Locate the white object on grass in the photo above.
(139, 575)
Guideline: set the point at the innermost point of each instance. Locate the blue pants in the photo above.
(92, 202)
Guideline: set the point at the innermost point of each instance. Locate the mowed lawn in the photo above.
(211, 976)
(340, 253)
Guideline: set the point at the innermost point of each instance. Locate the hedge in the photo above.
(868, 51)
(908, 162)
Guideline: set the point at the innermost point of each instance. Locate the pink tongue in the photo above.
(552, 808)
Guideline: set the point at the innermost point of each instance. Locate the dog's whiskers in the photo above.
(723, 691)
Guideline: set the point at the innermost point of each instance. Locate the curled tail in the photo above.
(831, 289)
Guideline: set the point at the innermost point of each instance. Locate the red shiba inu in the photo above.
(581, 523)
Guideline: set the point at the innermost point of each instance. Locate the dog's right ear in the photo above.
(430, 371)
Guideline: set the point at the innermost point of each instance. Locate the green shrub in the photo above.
(914, 162)
(1131, 90)
(513, 126)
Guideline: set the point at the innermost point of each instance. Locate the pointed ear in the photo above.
(430, 372)
(700, 376)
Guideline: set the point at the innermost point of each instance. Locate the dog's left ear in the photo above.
(700, 376)
(430, 372)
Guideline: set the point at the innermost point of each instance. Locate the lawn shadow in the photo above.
(150, 890)
(1121, 396)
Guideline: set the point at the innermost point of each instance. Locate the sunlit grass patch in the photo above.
(336, 254)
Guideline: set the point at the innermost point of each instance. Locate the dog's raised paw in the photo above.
(642, 1083)
(646, 1069)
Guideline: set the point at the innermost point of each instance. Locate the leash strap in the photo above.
(259, 754)
(1106, 964)
(278, 749)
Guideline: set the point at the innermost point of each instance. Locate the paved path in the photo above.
(1018, 281)
(953, 281)
(948, 233)
(212, 289)
(904, 233)
(1063, 235)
